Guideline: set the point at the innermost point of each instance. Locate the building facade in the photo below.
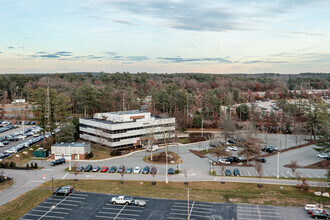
(70, 151)
(126, 128)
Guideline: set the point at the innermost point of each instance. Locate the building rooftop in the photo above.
(73, 144)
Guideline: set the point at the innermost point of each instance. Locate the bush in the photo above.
(27, 166)
(213, 173)
(12, 164)
(32, 165)
(115, 153)
(138, 146)
(35, 165)
(1, 165)
(177, 171)
(90, 155)
(6, 165)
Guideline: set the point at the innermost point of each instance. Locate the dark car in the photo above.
(261, 159)
(121, 169)
(113, 169)
(269, 149)
(80, 169)
(320, 215)
(129, 170)
(5, 142)
(57, 162)
(231, 141)
(88, 168)
(170, 171)
(61, 192)
(228, 172)
(236, 172)
(145, 170)
(153, 170)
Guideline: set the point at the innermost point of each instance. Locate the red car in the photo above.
(104, 169)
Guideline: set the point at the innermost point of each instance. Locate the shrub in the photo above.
(90, 155)
(1, 165)
(6, 165)
(213, 173)
(12, 164)
(177, 171)
(35, 165)
(27, 166)
(32, 165)
(138, 146)
(115, 153)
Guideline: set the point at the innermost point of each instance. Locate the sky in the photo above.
(165, 36)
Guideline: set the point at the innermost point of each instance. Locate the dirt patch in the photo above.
(160, 158)
(5, 183)
(325, 164)
(198, 153)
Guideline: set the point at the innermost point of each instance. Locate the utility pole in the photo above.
(53, 206)
(188, 217)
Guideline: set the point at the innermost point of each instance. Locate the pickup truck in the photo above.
(127, 201)
(122, 200)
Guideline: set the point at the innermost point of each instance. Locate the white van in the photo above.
(153, 148)
(310, 206)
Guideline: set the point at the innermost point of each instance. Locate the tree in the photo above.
(323, 140)
(293, 166)
(122, 174)
(67, 133)
(242, 112)
(220, 151)
(251, 146)
(259, 169)
(227, 125)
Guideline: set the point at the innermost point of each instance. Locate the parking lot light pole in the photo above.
(53, 206)
(188, 217)
(70, 157)
(166, 170)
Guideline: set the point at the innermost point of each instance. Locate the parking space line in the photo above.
(73, 201)
(191, 208)
(249, 173)
(266, 174)
(99, 216)
(37, 210)
(283, 175)
(317, 175)
(174, 218)
(44, 216)
(258, 212)
(308, 175)
(120, 211)
(80, 194)
(256, 215)
(129, 210)
(74, 197)
(61, 204)
(65, 175)
(185, 214)
(274, 174)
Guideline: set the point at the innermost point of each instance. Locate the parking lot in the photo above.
(83, 205)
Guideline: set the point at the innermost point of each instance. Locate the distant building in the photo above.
(16, 101)
(70, 151)
(125, 128)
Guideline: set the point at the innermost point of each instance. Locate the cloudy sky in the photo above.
(165, 36)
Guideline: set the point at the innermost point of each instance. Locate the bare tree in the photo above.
(185, 173)
(153, 175)
(222, 170)
(251, 146)
(259, 169)
(227, 125)
(220, 151)
(122, 174)
(293, 166)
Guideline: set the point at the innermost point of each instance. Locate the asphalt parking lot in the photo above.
(83, 205)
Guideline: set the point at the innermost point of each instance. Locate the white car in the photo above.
(137, 170)
(21, 137)
(230, 148)
(2, 144)
(224, 161)
(323, 155)
(153, 148)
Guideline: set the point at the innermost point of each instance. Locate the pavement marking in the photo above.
(80, 194)
(44, 216)
(120, 211)
(111, 213)
(265, 173)
(317, 176)
(258, 212)
(99, 216)
(37, 210)
(55, 207)
(290, 174)
(125, 209)
(308, 175)
(283, 175)
(61, 204)
(249, 173)
(65, 175)
(274, 174)
(74, 197)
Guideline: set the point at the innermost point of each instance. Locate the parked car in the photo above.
(145, 170)
(231, 148)
(228, 172)
(61, 192)
(224, 160)
(88, 168)
(121, 200)
(170, 171)
(70, 188)
(261, 159)
(231, 141)
(57, 162)
(104, 169)
(153, 170)
(153, 148)
(121, 169)
(236, 172)
(113, 169)
(137, 170)
(323, 155)
(269, 149)
(129, 170)
(319, 215)
(80, 169)
(95, 169)
(2, 144)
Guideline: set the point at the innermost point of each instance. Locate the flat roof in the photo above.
(121, 122)
(73, 144)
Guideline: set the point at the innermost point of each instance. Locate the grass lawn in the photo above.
(22, 204)
(6, 184)
(201, 191)
(100, 153)
(183, 140)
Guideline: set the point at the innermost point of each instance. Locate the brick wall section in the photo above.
(137, 117)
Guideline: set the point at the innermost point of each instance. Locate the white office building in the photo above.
(125, 128)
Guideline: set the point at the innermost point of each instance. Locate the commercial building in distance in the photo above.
(125, 128)
(70, 151)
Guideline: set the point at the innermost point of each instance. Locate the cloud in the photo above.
(122, 22)
(183, 60)
(64, 53)
(308, 33)
(262, 61)
(115, 56)
(137, 58)
(11, 47)
(111, 53)
(0, 52)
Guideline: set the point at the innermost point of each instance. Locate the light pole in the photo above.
(188, 217)
(70, 157)
(166, 180)
(52, 190)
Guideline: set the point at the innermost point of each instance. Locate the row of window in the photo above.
(127, 129)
